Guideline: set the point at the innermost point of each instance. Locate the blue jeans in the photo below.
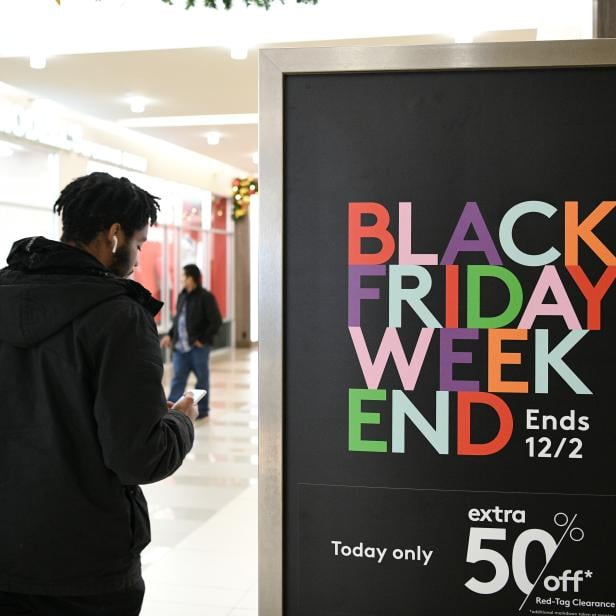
(197, 361)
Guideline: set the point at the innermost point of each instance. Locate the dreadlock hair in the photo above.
(92, 203)
(192, 271)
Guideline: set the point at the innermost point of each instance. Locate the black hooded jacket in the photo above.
(83, 421)
(203, 319)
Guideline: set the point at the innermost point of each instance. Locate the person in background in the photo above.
(84, 417)
(195, 324)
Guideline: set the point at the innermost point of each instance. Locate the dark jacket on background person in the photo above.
(83, 421)
(203, 318)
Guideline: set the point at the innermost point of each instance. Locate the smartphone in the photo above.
(198, 394)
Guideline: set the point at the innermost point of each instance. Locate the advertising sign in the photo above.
(449, 343)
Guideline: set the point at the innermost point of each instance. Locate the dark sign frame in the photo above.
(275, 65)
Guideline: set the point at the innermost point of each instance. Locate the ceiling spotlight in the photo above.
(464, 36)
(255, 158)
(239, 53)
(213, 138)
(137, 103)
(38, 60)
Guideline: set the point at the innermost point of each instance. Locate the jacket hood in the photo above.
(49, 284)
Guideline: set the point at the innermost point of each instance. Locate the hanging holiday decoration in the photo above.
(214, 4)
(243, 189)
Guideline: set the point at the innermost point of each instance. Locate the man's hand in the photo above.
(165, 342)
(198, 344)
(186, 405)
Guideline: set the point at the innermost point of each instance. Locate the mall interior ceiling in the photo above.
(177, 67)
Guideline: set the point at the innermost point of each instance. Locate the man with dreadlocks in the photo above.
(84, 419)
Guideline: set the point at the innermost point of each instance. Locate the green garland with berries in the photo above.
(215, 4)
(243, 189)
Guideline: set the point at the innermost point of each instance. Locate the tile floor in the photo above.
(203, 557)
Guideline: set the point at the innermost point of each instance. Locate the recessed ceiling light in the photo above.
(464, 36)
(239, 53)
(213, 138)
(38, 60)
(137, 103)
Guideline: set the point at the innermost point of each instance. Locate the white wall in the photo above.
(24, 221)
(28, 189)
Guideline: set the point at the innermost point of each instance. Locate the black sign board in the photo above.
(449, 342)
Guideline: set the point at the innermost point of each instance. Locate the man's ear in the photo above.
(112, 236)
(113, 231)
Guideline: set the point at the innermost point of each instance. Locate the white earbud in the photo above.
(115, 244)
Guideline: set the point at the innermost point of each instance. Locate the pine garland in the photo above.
(214, 4)
(243, 189)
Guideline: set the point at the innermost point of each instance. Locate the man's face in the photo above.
(188, 283)
(126, 257)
